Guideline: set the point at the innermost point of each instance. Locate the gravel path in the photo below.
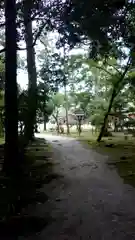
(91, 201)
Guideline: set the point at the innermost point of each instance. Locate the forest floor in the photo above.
(90, 201)
(21, 197)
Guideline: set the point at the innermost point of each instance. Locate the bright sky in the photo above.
(22, 76)
(22, 79)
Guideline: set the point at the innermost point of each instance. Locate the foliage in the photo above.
(81, 101)
(44, 108)
(113, 23)
(51, 72)
(97, 119)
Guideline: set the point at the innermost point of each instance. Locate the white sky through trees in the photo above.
(22, 76)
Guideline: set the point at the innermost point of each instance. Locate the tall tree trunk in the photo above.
(65, 88)
(58, 126)
(66, 109)
(11, 160)
(44, 123)
(32, 74)
(115, 126)
(57, 122)
(106, 116)
(116, 90)
(44, 107)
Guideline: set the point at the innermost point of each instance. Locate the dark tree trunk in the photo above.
(79, 127)
(116, 90)
(65, 90)
(66, 109)
(44, 123)
(115, 126)
(11, 108)
(44, 108)
(103, 129)
(32, 75)
(58, 127)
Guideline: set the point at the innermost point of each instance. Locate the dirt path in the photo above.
(91, 201)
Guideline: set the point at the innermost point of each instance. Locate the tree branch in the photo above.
(122, 76)
(114, 68)
(41, 28)
(21, 20)
(34, 43)
(99, 67)
(2, 50)
(2, 25)
(36, 37)
(43, 43)
(55, 117)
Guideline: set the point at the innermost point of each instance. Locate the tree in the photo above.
(118, 84)
(57, 101)
(120, 105)
(50, 78)
(65, 83)
(50, 72)
(45, 108)
(31, 66)
(11, 160)
(27, 12)
(116, 74)
(22, 110)
(112, 21)
(53, 72)
(81, 101)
